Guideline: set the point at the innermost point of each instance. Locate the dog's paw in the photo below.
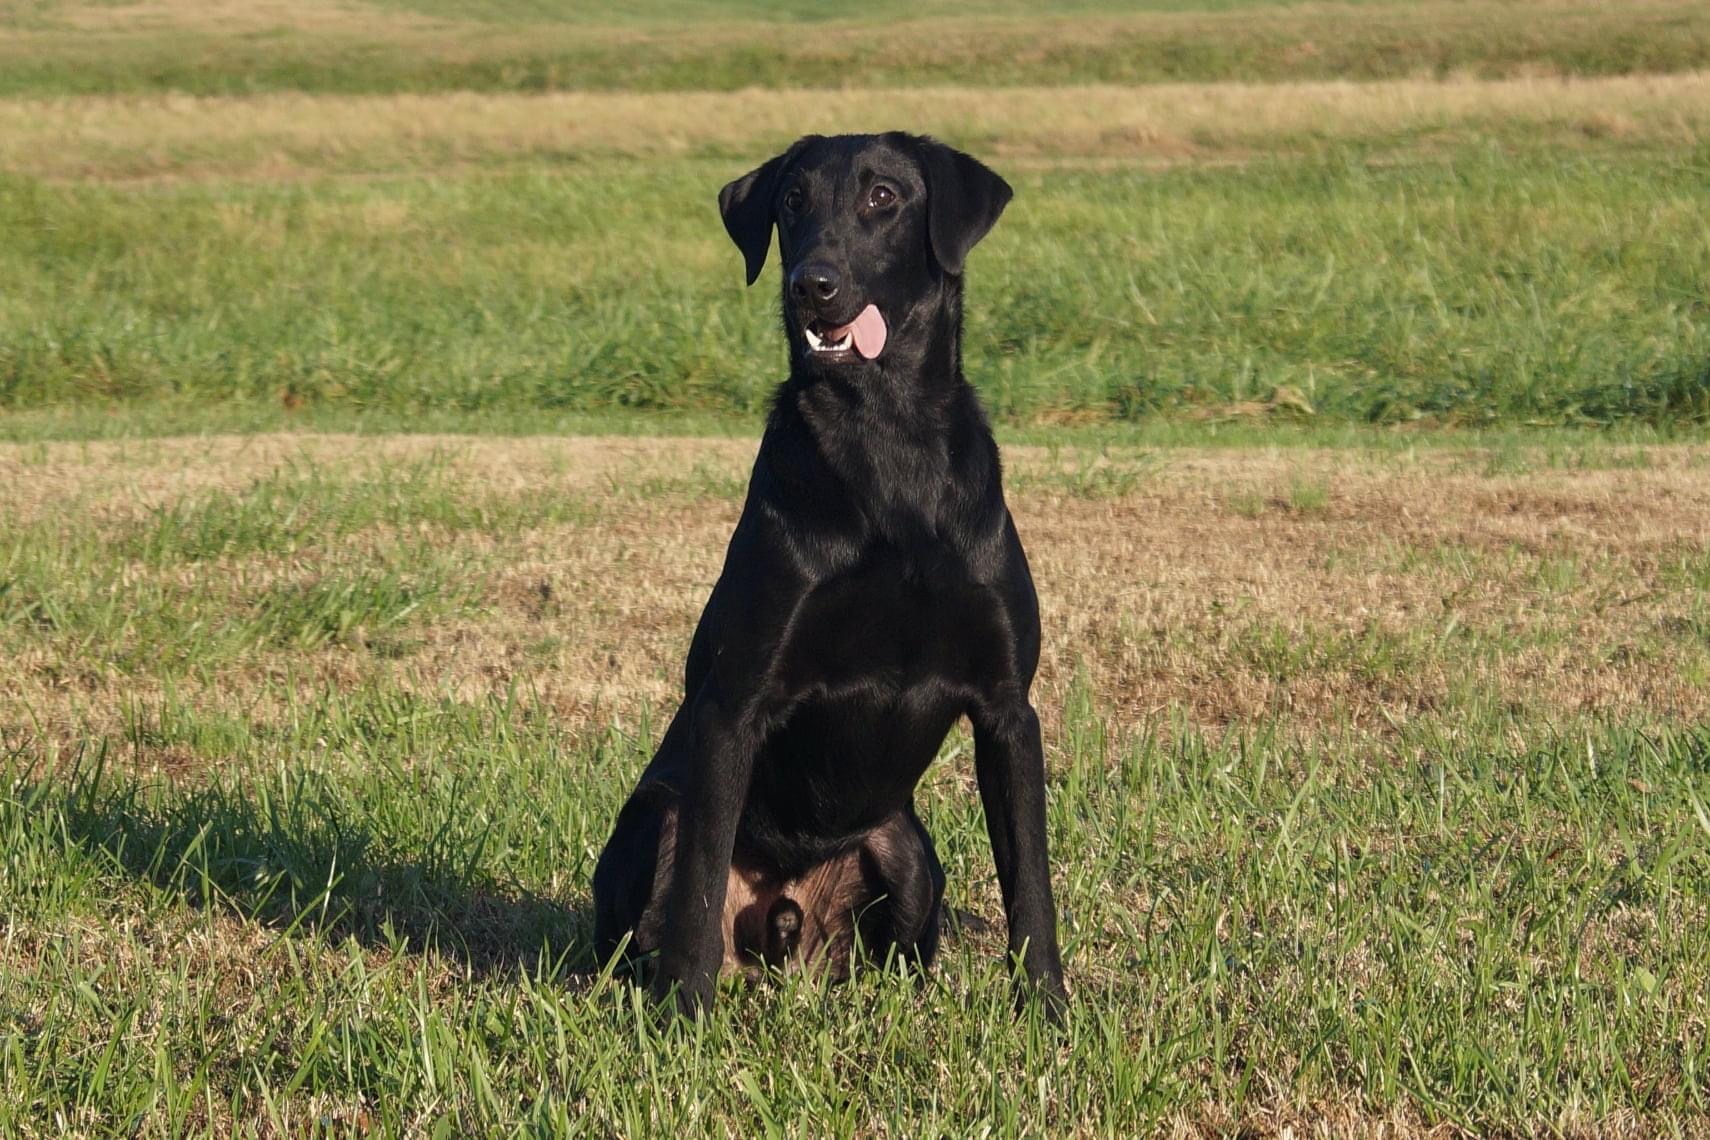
(676, 998)
(1044, 991)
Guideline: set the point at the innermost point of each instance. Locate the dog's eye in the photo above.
(792, 199)
(881, 196)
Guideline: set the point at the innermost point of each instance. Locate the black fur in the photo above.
(874, 591)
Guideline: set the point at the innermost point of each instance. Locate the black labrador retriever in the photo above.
(874, 591)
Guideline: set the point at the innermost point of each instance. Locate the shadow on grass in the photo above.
(297, 859)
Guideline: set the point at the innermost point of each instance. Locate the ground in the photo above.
(1376, 801)
(377, 391)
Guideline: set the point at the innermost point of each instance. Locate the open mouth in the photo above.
(864, 336)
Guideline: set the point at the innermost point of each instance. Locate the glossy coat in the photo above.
(874, 591)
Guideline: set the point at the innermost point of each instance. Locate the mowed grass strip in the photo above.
(300, 136)
(208, 47)
(1555, 580)
(1479, 287)
(1242, 586)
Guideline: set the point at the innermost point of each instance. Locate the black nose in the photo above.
(815, 283)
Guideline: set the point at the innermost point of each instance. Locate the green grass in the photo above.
(1455, 267)
(110, 624)
(303, 506)
(666, 13)
(522, 46)
(304, 764)
(269, 867)
(1483, 288)
(86, 595)
(1490, 938)
(1495, 447)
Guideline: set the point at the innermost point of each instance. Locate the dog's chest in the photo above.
(898, 616)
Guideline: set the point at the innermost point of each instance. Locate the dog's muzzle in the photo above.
(864, 336)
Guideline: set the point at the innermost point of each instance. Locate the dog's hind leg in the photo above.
(907, 882)
(887, 892)
(631, 877)
(884, 896)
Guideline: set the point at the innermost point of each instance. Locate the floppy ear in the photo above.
(963, 200)
(749, 206)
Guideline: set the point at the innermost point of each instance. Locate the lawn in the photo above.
(377, 393)
(218, 47)
(1452, 246)
(1375, 792)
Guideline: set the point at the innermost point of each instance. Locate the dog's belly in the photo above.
(839, 766)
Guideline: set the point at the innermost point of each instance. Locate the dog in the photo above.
(874, 591)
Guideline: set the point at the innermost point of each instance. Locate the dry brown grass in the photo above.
(297, 135)
(1213, 587)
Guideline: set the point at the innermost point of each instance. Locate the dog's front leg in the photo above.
(1009, 761)
(722, 747)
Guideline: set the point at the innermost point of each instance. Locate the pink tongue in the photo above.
(868, 330)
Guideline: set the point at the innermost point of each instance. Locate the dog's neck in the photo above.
(903, 433)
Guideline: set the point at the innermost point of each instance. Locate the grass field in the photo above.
(226, 47)
(1373, 807)
(1493, 289)
(1352, 362)
(1455, 243)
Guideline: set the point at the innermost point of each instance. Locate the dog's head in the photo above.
(869, 227)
